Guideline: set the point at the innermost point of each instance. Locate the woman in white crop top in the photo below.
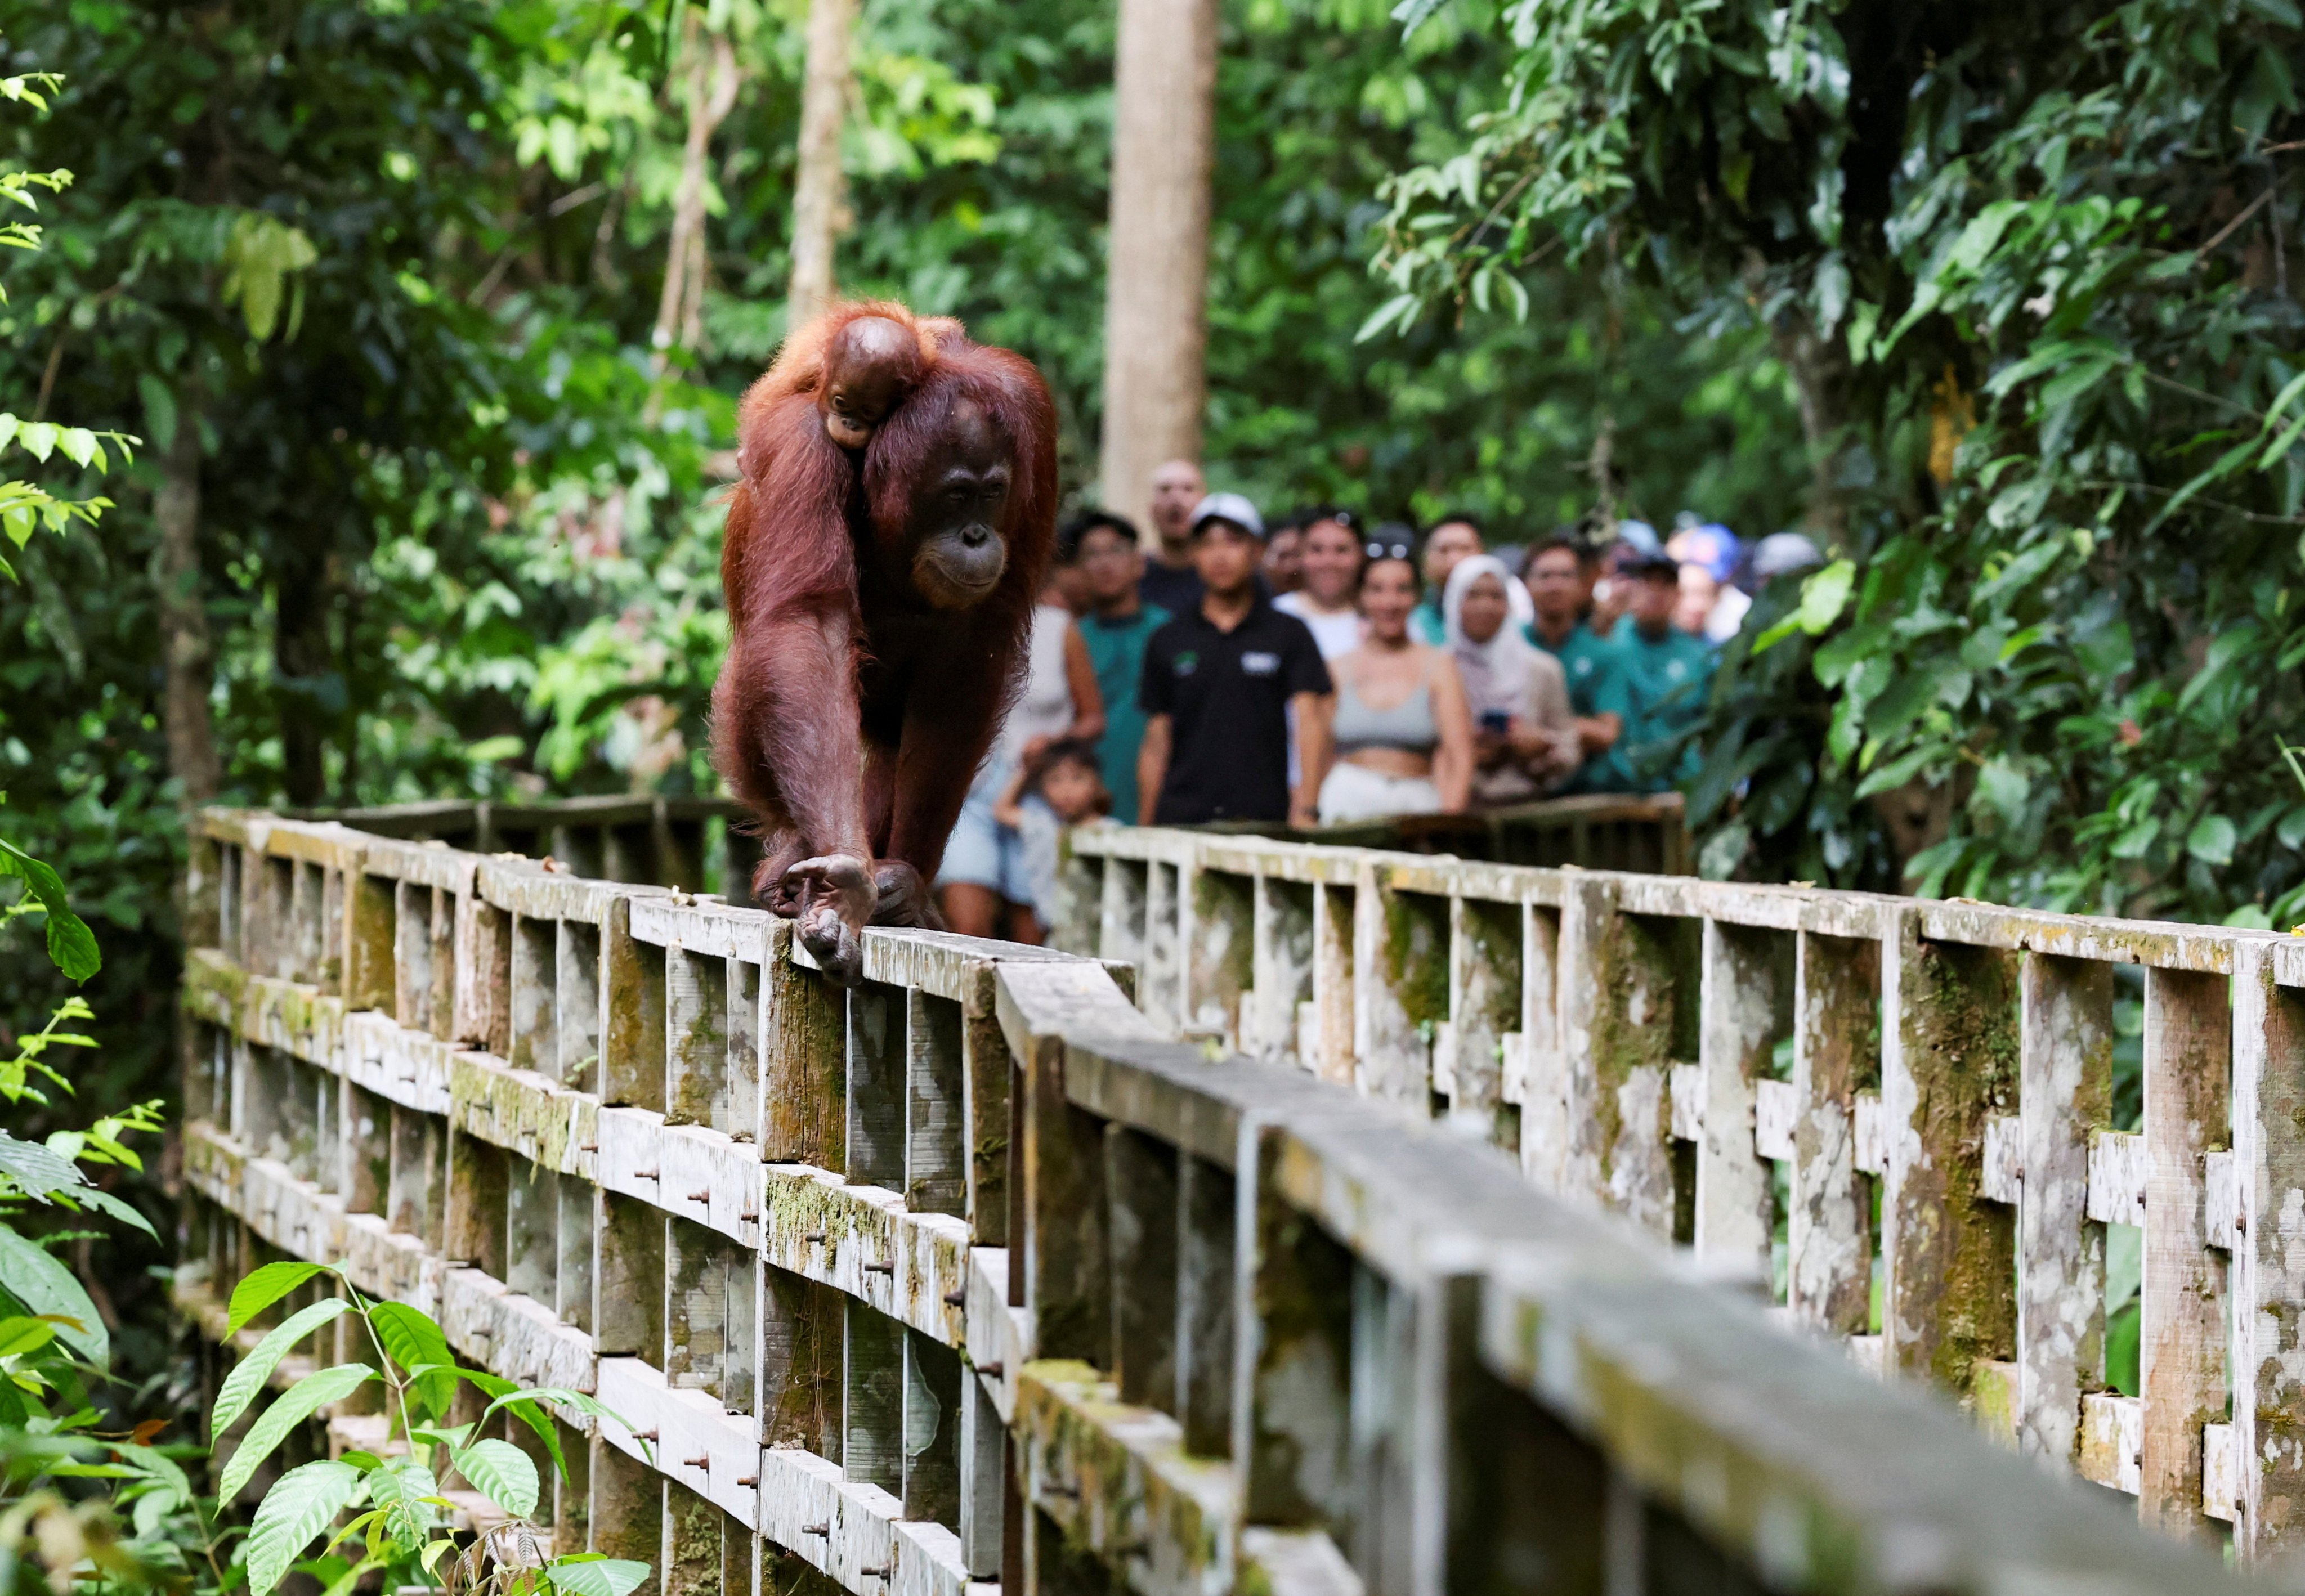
(1400, 735)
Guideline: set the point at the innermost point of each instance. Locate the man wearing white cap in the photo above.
(1221, 682)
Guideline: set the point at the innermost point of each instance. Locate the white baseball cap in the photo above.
(1231, 507)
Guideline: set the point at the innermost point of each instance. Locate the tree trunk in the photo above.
(1156, 276)
(1819, 367)
(820, 212)
(187, 662)
(303, 667)
(711, 95)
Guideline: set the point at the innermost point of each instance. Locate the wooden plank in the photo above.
(1949, 1061)
(632, 1022)
(1400, 993)
(936, 1108)
(578, 1004)
(1736, 1213)
(743, 1023)
(1292, 1395)
(988, 1075)
(2065, 1097)
(2181, 1335)
(1617, 1032)
(1332, 1055)
(535, 996)
(1217, 945)
(369, 979)
(1836, 1051)
(697, 1090)
(806, 1070)
(1486, 1002)
(1140, 1181)
(1542, 1064)
(873, 1398)
(878, 1065)
(1281, 969)
(2268, 1352)
(411, 955)
(1206, 1246)
(932, 1430)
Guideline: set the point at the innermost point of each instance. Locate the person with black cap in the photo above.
(1219, 683)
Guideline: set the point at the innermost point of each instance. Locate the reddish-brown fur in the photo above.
(850, 715)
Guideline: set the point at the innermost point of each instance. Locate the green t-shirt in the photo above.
(1669, 679)
(1116, 652)
(1597, 685)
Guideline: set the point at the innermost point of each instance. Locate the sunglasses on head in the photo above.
(1387, 551)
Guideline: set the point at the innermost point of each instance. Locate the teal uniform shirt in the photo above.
(1427, 624)
(1669, 679)
(1597, 685)
(1116, 652)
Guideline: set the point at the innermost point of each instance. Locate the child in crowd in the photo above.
(1062, 788)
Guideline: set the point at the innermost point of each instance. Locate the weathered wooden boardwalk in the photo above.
(1271, 1247)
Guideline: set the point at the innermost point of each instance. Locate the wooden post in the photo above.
(1292, 1360)
(805, 1122)
(2269, 1389)
(628, 1275)
(1218, 951)
(627, 1511)
(535, 996)
(2065, 1099)
(1156, 315)
(1206, 1235)
(2181, 1340)
(1949, 1062)
(936, 1108)
(1400, 954)
(1836, 1050)
(988, 1073)
(1617, 1004)
(1140, 1181)
(932, 1430)
(632, 1021)
(696, 1041)
(872, 1386)
(1735, 1214)
(877, 1086)
(577, 1023)
(1484, 1006)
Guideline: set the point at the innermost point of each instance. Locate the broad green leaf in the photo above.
(299, 1403)
(596, 1576)
(72, 946)
(39, 1170)
(523, 1406)
(299, 1506)
(264, 1288)
(405, 1491)
(502, 1473)
(414, 1342)
(34, 1277)
(20, 1334)
(104, 1202)
(241, 1384)
(2212, 839)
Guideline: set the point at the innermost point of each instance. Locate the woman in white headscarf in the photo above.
(1525, 738)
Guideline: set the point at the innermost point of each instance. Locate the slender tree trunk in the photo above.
(1819, 367)
(820, 212)
(712, 83)
(187, 662)
(1156, 274)
(303, 667)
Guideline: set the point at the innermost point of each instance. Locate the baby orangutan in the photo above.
(870, 365)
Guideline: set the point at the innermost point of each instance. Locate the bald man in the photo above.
(1169, 580)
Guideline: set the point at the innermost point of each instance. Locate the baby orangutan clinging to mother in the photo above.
(886, 541)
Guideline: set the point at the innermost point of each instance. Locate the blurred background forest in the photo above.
(435, 370)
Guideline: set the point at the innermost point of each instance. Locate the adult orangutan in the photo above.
(884, 546)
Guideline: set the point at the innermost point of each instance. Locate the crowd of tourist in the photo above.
(1320, 670)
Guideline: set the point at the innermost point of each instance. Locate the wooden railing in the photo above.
(974, 1273)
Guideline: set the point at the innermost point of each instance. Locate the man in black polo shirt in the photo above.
(1219, 681)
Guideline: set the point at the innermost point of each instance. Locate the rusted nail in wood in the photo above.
(751, 1215)
(816, 1529)
(955, 1299)
(2240, 1223)
(989, 1370)
(644, 1435)
(814, 1238)
(880, 1268)
(407, 1075)
(483, 1334)
(699, 1196)
(873, 1572)
(1069, 1493)
(704, 1463)
(588, 1147)
(644, 1174)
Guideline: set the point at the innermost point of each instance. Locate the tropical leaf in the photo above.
(524, 1406)
(502, 1473)
(241, 1384)
(263, 1288)
(299, 1506)
(72, 946)
(414, 1342)
(405, 1491)
(33, 1276)
(38, 1169)
(308, 1396)
(595, 1576)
